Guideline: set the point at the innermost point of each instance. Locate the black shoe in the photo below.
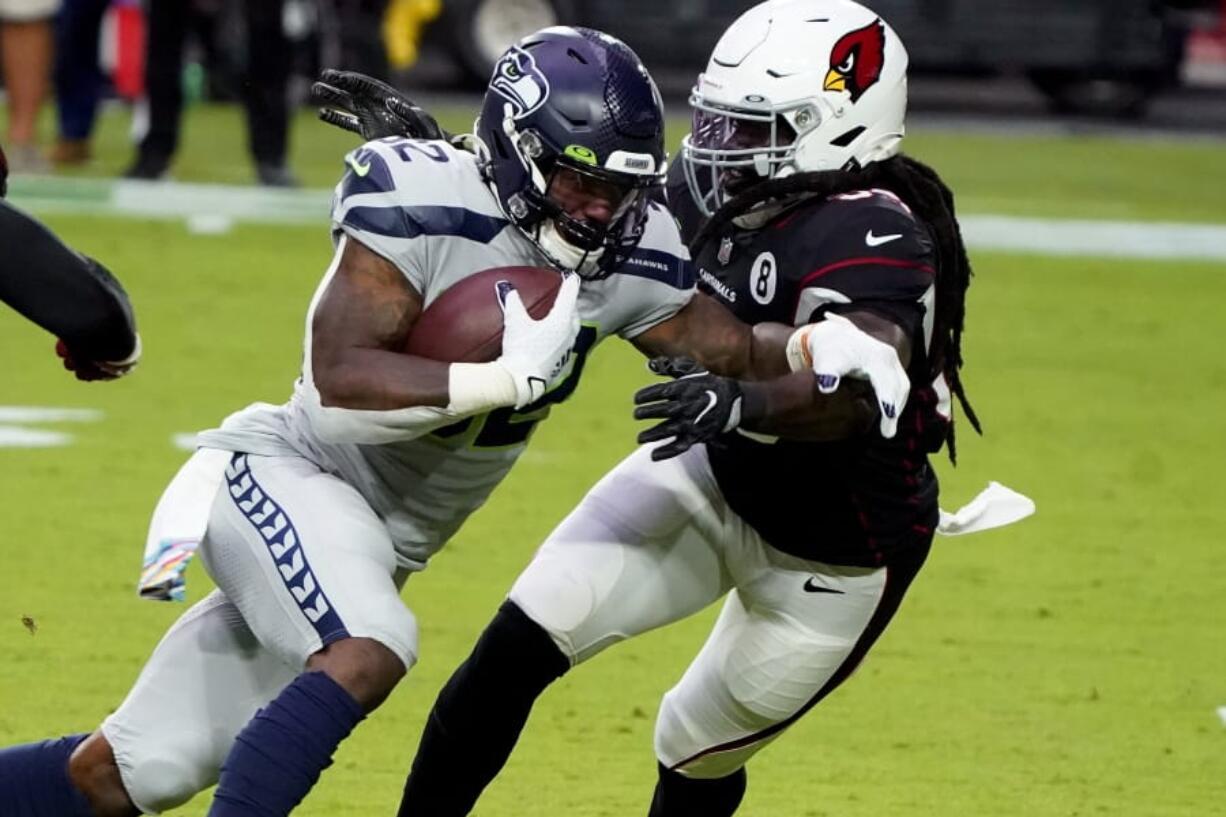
(271, 175)
(148, 167)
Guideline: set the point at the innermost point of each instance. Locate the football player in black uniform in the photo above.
(69, 294)
(800, 210)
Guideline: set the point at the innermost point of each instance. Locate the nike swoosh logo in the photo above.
(878, 240)
(711, 401)
(360, 168)
(811, 586)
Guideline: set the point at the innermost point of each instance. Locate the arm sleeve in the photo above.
(69, 294)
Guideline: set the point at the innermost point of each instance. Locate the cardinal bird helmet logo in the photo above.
(856, 60)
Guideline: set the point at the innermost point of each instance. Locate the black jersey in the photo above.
(68, 294)
(859, 501)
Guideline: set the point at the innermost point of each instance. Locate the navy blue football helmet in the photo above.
(577, 99)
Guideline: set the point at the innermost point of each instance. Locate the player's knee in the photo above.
(164, 776)
(512, 663)
(514, 636)
(365, 668)
(560, 605)
(682, 745)
(675, 741)
(94, 772)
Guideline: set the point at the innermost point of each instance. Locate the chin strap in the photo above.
(512, 133)
(563, 253)
(471, 143)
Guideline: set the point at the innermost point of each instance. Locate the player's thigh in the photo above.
(641, 550)
(789, 634)
(305, 559)
(202, 684)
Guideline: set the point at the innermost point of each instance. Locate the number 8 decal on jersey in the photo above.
(762, 278)
(508, 426)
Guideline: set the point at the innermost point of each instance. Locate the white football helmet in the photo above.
(794, 86)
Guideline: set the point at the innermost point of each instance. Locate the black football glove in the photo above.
(675, 367)
(696, 407)
(364, 105)
(89, 370)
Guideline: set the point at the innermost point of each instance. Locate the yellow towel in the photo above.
(402, 25)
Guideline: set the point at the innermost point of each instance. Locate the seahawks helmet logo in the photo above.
(518, 80)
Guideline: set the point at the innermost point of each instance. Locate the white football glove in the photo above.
(836, 348)
(535, 352)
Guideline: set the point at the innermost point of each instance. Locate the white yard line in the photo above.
(213, 208)
(14, 420)
(1116, 239)
(46, 414)
(18, 437)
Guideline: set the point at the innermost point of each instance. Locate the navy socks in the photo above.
(279, 755)
(34, 780)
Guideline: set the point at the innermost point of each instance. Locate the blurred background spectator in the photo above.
(1149, 62)
(27, 43)
(268, 57)
(359, 30)
(78, 78)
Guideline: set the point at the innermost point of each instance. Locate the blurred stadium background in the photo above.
(1071, 665)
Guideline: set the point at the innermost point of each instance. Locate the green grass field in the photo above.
(1069, 665)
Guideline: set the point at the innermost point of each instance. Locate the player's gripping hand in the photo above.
(364, 105)
(836, 348)
(535, 353)
(97, 369)
(696, 407)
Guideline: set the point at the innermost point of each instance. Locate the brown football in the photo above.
(464, 323)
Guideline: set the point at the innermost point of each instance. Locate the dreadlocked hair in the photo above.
(919, 186)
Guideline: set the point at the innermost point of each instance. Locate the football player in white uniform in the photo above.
(321, 507)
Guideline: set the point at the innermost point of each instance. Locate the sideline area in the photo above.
(212, 208)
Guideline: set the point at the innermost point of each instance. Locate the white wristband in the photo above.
(118, 368)
(797, 349)
(474, 388)
(131, 359)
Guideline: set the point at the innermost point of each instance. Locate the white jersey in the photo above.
(424, 206)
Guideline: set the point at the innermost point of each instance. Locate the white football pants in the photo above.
(652, 543)
(300, 560)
